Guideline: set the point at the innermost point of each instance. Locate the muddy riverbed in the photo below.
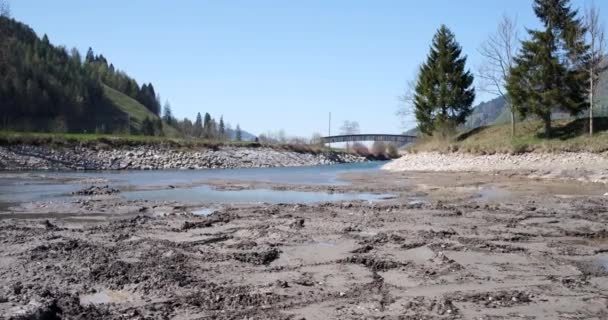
(444, 246)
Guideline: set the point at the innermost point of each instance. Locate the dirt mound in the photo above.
(374, 263)
(262, 257)
(96, 191)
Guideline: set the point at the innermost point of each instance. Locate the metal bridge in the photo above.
(403, 139)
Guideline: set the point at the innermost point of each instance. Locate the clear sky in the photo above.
(274, 64)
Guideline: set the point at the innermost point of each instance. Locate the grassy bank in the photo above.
(11, 138)
(568, 136)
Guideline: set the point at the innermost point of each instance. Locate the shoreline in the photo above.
(25, 157)
(579, 166)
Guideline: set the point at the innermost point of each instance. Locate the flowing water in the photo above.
(35, 186)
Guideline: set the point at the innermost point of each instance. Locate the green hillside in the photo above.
(47, 88)
(135, 112)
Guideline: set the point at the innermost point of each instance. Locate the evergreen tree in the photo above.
(239, 133)
(198, 126)
(213, 129)
(90, 57)
(147, 127)
(549, 74)
(186, 127)
(444, 92)
(167, 113)
(222, 128)
(207, 125)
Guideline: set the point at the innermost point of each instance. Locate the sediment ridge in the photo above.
(145, 157)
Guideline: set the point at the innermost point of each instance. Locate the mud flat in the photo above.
(450, 246)
(581, 166)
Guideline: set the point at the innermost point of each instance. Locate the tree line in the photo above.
(106, 73)
(205, 127)
(555, 69)
(49, 88)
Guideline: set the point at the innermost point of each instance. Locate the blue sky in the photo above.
(270, 64)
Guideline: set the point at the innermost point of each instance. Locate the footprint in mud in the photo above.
(262, 257)
(374, 263)
(500, 299)
(423, 305)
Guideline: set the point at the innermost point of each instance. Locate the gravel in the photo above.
(29, 157)
(588, 167)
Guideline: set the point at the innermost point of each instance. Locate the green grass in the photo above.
(568, 136)
(112, 140)
(107, 141)
(135, 110)
(128, 105)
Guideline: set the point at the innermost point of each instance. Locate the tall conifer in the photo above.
(549, 74)
(444, 92)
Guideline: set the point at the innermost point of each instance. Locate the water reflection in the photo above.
(205, 194)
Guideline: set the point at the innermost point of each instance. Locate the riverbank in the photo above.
(449, 246)
(581, 166)
(567, 136)
(154, 157)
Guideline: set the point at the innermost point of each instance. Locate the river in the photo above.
(191, 184)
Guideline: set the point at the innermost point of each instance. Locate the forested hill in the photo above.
(48, 88)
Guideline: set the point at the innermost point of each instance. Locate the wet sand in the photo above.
(449, 246)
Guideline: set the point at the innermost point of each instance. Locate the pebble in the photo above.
(30, 157)
(565, 165)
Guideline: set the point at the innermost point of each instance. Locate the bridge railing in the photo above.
(369, 137)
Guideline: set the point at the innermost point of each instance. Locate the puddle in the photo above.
(487, 194)
(416, 202)
(603, 263)
(206, 194)
(203, 212)
(326, 243)
(103, 297)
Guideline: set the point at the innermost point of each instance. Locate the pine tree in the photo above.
(147, 127)
(239, 133)
(168, 114)
(444, 92)
(549, 73)
(90, 57)
(207, 125)
(198, 126)
(222, 128)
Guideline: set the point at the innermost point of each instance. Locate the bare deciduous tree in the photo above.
(316, 139)
(406, 107)
(499, 52)
(349, 127)
(597, 43)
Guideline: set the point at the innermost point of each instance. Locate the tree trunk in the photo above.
(591, 105)
(512, 123)
(547, 120)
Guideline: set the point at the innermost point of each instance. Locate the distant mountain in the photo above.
(486, 113)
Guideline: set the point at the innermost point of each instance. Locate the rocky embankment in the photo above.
(29, 157)
(582, 166)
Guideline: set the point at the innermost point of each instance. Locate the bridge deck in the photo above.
(369, 137)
